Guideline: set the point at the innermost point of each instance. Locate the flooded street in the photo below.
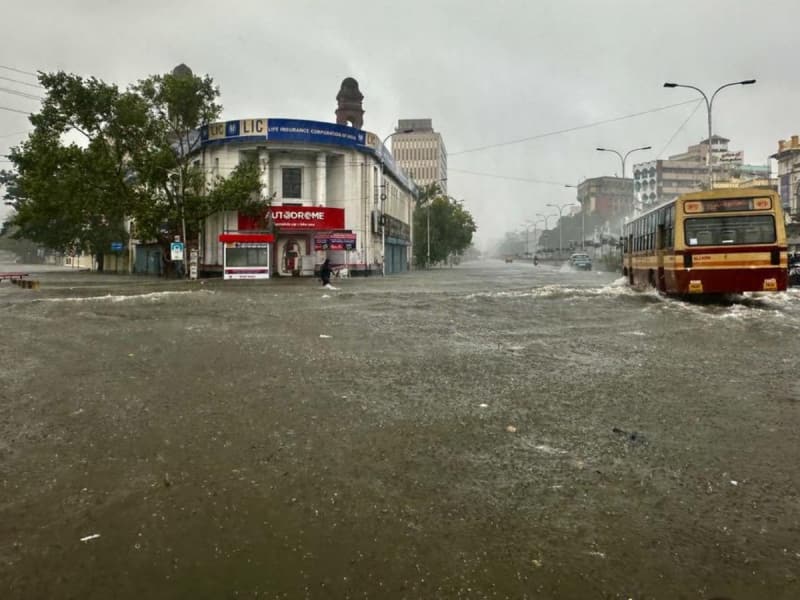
(489, 431)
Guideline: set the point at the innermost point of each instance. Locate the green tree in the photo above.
(451, 230)
(99, 156)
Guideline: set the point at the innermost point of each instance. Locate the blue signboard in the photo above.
(303, 131)
(116, 246)
(313, 132)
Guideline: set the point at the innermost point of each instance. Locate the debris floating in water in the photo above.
(94, 536)
(483, 405)
(324, 337)
(511, 429)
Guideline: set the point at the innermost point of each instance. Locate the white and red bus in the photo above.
(724, 241)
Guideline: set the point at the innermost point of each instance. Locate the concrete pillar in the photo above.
(322, 179)
(263, 161)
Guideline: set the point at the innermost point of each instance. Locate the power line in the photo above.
(33, 85)
(31, 73)
(568, 129)
(510, 177)
(20, 94)
(674, 135)
(22, 112)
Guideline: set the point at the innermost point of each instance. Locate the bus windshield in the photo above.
(718, 231)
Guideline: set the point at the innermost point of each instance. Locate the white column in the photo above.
(263, 161)
(322, 179)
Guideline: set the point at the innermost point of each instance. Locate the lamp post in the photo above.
(545, 217)
(709, 104)
(559, 208)
(381, 150)
(583, 215)
(621, 157)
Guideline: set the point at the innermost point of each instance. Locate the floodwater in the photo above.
(489, 431)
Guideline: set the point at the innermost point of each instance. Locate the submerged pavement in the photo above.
(490, 431)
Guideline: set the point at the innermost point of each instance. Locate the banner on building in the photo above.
(297, 218)
(335, 241)
(313, 132)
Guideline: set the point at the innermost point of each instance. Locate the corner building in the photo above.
(325, 182)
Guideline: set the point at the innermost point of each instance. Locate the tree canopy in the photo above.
(447, 224)
(99, 156)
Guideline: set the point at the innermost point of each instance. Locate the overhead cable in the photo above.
(568, 129)
(22, 112)
(20, 94)
(677, 131)
(31, 73)
(20, 82)
(510, 177)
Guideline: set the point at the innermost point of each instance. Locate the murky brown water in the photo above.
(491, 431)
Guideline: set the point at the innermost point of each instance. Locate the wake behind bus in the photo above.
(716, 242)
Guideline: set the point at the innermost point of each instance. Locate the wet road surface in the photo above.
(491, 431)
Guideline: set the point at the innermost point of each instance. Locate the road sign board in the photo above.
(176, 250)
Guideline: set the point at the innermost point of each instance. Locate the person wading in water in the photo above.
(325, 272)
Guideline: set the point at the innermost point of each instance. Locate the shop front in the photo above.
(304, 237)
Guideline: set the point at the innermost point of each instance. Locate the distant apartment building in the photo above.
(606, 197)
(659, 181)
(421, 153)
(788, 157)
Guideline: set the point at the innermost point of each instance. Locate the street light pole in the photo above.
(545, 217)
(583, 215)
(381, 150)
(709, 104)
(625, 157)
(560, 207)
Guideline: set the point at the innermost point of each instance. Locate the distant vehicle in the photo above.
(725, 241)
(794, 270)
(509, 259)
(581, 261)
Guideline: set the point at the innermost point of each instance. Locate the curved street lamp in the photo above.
(560, 207)
(621, 157)
(545, 218)
(709, 104)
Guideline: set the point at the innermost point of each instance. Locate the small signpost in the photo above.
(176, 250)
(116, 246)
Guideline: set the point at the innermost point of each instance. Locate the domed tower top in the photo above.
(349, 98)
(182, 71)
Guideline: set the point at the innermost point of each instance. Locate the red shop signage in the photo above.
(290, 218)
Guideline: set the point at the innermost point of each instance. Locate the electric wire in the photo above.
(25, 95)
(20, 82)
(509, 177)
(31, 73)
(22, 112)
(677, 131)
(569, 129)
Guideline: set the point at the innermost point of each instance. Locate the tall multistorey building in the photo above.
(788, 157)
(420, 152)
(659, 181)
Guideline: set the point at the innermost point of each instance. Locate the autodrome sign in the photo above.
(293, 218)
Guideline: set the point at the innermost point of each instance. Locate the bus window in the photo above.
(734, 230)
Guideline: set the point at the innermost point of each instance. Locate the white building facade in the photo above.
(335, 193)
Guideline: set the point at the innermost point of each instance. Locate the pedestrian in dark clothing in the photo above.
(325, 272)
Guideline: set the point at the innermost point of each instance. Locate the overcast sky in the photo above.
(486, 72)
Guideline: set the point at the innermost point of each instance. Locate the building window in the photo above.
(292, 182)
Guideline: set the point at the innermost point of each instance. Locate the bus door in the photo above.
(661, 236)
